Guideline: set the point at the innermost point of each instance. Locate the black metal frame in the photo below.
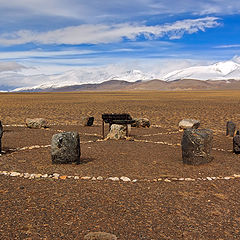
(116, 118)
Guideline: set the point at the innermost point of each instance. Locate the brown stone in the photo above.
(100, 236)
(36, 123)
(141, 122)
(87, 121)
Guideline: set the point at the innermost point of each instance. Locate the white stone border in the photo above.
(113, 179)
(156, 134)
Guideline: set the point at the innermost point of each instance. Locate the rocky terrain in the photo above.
(135, 189)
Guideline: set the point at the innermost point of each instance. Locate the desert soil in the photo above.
(147, 209)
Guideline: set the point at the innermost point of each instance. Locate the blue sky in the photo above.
(56, 35)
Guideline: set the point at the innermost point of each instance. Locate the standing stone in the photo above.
(231, 127)
(118, 131)
(1, 133)
(236, 143)
(87, 121)
(100, 236)
(141, 122)
(188, 123)
(196, 146)
(65, 147)
(36, 123)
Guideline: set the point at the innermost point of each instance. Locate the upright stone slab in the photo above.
(36, 123)
(231, 127)
(119, 131)
(65, 147)
(1, 133)
(87, 121)
(188, 123)
(196, 146)
(236, 143)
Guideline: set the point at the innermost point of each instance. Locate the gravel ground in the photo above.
(47, 208)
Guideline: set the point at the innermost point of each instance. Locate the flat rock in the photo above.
(188, 123)
(36, 123)
(100, 236)
(196, 146)
(65, 148)
(141, 122)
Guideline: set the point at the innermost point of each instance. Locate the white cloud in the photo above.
(42, 54)
(94, 10)
(10, 66)
(102, 33)
(228, 46)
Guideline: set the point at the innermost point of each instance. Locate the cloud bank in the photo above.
(102, 33)
(95, 10)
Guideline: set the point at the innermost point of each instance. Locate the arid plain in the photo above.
(168, 200)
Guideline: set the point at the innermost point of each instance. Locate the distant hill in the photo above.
(120, 85)
(221, 75)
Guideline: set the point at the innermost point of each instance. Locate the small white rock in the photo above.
(125, 179)
(227, 178)
(189, 179)
(94, 179)
(100, 178)
(208, 178)
(38, 175)
(14, 174)
(76, 177)
(134, 180)
(167, 180)
(26, 175)
(44, 176)
(113, 178)
(86, 178)
(56, 175)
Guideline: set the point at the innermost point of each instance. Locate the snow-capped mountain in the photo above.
(35, 80)
(218, 71)
(78, 77)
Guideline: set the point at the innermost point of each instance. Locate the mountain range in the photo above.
(221, 75)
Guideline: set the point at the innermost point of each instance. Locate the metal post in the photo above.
(103, 129)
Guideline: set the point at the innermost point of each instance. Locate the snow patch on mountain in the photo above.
(218, 71)
(78, 77)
